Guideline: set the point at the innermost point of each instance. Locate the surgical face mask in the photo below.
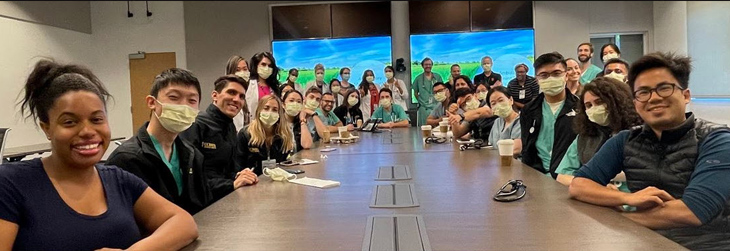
(319, 76)
(176, 118)
(598, 114)
(552, 86)
(472, 104)
(244, 74)
(385, 103)
(609, 56)
(487, 67)
(389, 75)
(278, 174)
(481, 95)
(346, 76)
(293, 108)
(265, 71)
(311, 104)
(440, 96)
(335, 88)
(293, 79)
(268, 118)
(370, 79)
(617, 76)
(352, 101)
(502, 109)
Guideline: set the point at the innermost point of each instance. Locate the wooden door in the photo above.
(142, 73)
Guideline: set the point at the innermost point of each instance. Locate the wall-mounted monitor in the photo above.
(358, 54)
(507, 48)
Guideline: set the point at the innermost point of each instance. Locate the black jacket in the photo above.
(531, 117)
(251, 156)
(139, 156)
(214, 135)
(355, 113)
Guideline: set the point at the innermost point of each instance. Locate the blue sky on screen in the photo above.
(333, 53)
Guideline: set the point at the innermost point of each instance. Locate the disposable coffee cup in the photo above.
(505, 147)
(343, 132)
(426, 130)
(326, 136)
(444, 126)
(445, 119)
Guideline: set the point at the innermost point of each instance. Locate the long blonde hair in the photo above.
(281, 127)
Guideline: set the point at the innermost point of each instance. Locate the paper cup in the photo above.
(343, 132)
(444, 126)
(326, 136)
(426, 131)
(505, 147)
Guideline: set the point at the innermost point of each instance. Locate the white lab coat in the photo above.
(398, 97)
(252, 97)
(365, 107)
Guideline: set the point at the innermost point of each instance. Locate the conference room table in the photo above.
(455, 191)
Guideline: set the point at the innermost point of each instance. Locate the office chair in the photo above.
(3, 139)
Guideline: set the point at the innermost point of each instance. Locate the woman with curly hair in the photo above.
(606, 109)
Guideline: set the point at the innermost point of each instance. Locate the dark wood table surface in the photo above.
(454, 188)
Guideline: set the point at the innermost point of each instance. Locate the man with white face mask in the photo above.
(616, 68)
(169, 165)
(477, 126)
(318, 81)
(491, 79)
(392, 114)
(546, 121)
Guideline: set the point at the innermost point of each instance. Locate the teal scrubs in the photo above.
(546, 137)
(589, 74)
(330, 119)
(426, 103)
(396, 114)
(570, 164)
(173, 164)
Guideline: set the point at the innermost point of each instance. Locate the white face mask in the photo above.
(481, 95)
(268, 118)
(440, 97)
(293, 108)
(617, 76)
(278, 174)
(176, 118)
(552, 86)
(598, 114)
(346, 76)
(244, 74)
(352, 101)
(609, 56)
(335, 88)
(472, 104)
(293, 79)
(502, 109)
(385, 103)
(370, 79)
(487, 67)
(265, 71)
(311, 104)
(319, 76)
(389, 75)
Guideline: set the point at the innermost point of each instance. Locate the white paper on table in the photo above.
(307, 162)
(316, 182)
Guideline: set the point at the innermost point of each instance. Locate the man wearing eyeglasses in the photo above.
(331, 121)
(677, 166)
(547, 120)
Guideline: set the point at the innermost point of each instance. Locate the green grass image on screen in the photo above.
(507, 48)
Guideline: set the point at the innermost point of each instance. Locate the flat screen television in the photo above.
(359, 54)
(507, 48)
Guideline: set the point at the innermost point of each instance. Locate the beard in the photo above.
(584, 59)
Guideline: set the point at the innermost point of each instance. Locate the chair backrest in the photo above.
(3, 137)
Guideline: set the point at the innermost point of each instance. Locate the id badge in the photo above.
(522, 94)
(270, 163)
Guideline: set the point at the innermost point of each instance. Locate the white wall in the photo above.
(115, 36)
(670, 26)
(23, 45)
(72, 15)
(708, 33)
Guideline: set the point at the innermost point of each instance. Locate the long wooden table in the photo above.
(454, 188)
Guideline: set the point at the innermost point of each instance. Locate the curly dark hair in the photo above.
(619, 103)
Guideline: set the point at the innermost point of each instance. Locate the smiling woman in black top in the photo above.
(67, 201)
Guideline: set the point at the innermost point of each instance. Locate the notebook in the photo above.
(316, 182)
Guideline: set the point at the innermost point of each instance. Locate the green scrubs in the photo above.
(426, 103)
(331, 119)
(396, 114)
(173, 164)
(589, 74)
(570, 164)
(546, 137)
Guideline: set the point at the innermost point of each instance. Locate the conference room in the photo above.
(329, 125)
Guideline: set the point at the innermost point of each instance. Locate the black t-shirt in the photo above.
(489, 81)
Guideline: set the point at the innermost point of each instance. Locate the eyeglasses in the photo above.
(328, 101)
(662, 90)
(555, 74)
(436, 140)
(512, 191)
